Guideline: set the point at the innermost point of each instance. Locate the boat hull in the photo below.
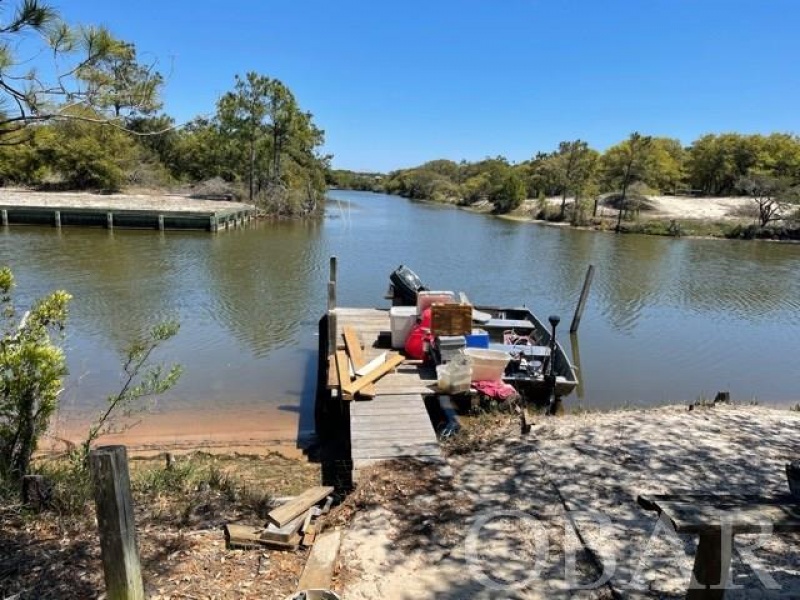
(507, 324)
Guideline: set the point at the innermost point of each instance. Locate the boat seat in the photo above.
(508, 324)
(526, 350)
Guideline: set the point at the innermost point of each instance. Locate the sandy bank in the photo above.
(251, 431)
(527, 495)
(704, 208)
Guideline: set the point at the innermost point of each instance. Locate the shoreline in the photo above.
(257, 431)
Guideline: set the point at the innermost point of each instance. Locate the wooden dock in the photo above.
(22, 207)
(394, 424)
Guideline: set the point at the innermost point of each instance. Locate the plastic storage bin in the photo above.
(402, 319)
(454, 377)
(487, 365)
(426, 298)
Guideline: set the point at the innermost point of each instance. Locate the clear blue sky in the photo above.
(394, 84)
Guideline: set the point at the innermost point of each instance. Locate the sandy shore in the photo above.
(572, 483)
(672, 207)
(249, 431)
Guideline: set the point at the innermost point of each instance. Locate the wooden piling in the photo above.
(57, 218)
(5, 217)
(110, 220)
(587, 283)
(332, 338)
(119, 548)
(161, 222)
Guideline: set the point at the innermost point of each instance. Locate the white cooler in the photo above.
(402, 319)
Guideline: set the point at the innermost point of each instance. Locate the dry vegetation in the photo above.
(179, 515)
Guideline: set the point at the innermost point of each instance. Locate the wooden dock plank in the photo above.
(395, 424)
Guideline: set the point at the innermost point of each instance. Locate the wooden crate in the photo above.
(451, 319)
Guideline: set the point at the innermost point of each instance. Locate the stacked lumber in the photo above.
(288, 526)
(349, 370)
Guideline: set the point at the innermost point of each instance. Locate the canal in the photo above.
(668, 320)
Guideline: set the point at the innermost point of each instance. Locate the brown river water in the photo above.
(668, 320)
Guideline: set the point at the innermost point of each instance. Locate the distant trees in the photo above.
(767, 168)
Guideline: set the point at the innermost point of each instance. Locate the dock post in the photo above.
(161, 222)
(5, 217)
(118, 546)
(110, 220)
(587, 283)
(213, 224)
(57, 218)
(332, 341)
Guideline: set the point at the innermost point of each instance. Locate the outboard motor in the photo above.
(406, 285)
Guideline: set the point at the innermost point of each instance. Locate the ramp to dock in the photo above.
(395, 423)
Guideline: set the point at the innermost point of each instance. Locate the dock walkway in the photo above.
(395, 423)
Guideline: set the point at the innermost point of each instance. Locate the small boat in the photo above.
(539, 368)
(518, 332)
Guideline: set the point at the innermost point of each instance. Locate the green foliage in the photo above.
(141, 379)
(87, 155)
(32, 368)
(774, 196)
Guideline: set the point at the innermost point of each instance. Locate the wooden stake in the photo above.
(119, 548)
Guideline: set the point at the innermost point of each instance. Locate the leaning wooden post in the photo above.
(587, 283)
(332, 342)
(112, 496)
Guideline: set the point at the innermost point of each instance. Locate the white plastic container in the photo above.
(487, 365)
(453, 377)
(426, 298)
(402, 319)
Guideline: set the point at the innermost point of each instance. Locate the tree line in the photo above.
(763, 167)
(97, 122)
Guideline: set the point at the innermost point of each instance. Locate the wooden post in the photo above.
(333, 269)
(587, 283)
(576, 357)
(119, 548)
(57, 218)
(712, 565)
(5, 217)
(332, 337)
(161, 222)
(110, 220)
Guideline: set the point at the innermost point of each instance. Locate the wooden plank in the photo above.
(247, 536)
(353, 346)
(359, 384)
(700, 518)
(395, 437)
(431, 449)
(294, 508)
(343, 373)
(318, 572)
(283, 534)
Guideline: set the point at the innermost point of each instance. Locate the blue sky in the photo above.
(394, 84)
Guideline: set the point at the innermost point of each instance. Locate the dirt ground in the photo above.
(56, 555)
(518, 506)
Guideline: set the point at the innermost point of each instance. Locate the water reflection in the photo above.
(666, 319)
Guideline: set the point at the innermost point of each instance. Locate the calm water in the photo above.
(667, 320)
